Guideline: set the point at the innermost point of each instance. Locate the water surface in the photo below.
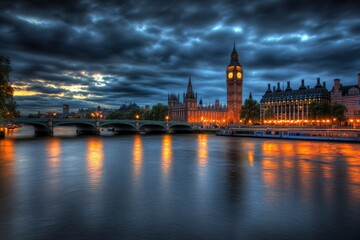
(177, 187)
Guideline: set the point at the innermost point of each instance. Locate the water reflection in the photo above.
(235, 153)
(94, 159)
(250, 148)
(7, 157)
(137, 157)
(202, 150)
(54, 151)
(166, 154)
(296, 165)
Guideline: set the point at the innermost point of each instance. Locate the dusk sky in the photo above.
(89, 53)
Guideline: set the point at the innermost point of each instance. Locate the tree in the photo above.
(338, 112)
(320, 110)
(7, 102)
(250, 111)
(325, 110)
(269, 114)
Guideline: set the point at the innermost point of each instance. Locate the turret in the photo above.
(217, 103)
(268, 89)
(278, 89)
(318, 84)
(302, 87)
(288, 88)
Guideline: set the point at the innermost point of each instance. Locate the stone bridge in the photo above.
(94, 126)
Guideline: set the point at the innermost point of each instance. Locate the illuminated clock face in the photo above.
(238, 74)
(230, 74)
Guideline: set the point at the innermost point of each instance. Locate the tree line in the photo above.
(157, 113)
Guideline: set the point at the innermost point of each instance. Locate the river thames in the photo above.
(177, 187)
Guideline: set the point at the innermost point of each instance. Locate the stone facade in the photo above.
(290, 105)
(349, 96)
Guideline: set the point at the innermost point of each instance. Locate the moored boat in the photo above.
(332, 135)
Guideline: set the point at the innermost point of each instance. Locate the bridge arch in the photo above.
(180, 128)
(82, 127)
(40, 128)
(152, 128)
(119, 127)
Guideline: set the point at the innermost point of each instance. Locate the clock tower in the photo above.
(234, 81)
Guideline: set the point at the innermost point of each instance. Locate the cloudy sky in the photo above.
(88, 53)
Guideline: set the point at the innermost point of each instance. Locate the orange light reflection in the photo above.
(95, 157)
(137, 156)
(202, 150)
(54, 151)
(166, 154)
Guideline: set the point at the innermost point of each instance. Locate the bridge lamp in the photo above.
(167, 118)
(137, 116)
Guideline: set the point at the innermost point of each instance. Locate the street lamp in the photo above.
(137, 116)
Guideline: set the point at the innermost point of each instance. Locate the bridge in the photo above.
(94, 126)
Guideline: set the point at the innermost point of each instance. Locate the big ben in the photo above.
(234, 80)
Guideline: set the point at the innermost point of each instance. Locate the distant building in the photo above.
(192, 110)
(292, 105)
(349, 96)
(66, 110)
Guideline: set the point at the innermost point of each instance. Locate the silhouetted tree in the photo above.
(250, 111)
(325, 110)
(7, 102)
(338, 112)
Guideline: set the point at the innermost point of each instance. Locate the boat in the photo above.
(11, 126)
(331, 135)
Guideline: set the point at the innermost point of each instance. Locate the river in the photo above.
(176, 187)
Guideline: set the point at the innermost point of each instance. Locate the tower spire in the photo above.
(190, 92)
(234, 61)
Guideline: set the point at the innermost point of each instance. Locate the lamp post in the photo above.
(137, 117)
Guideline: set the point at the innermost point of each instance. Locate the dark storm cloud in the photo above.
(107, 52)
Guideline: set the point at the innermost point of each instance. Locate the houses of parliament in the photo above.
(192, 109)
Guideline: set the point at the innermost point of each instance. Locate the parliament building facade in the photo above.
(191, 109)
(293, 105)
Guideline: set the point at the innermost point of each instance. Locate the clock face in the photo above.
(230, 74)
(238, 74)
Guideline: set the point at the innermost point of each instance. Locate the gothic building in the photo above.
(291, 105)
(192, 110)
